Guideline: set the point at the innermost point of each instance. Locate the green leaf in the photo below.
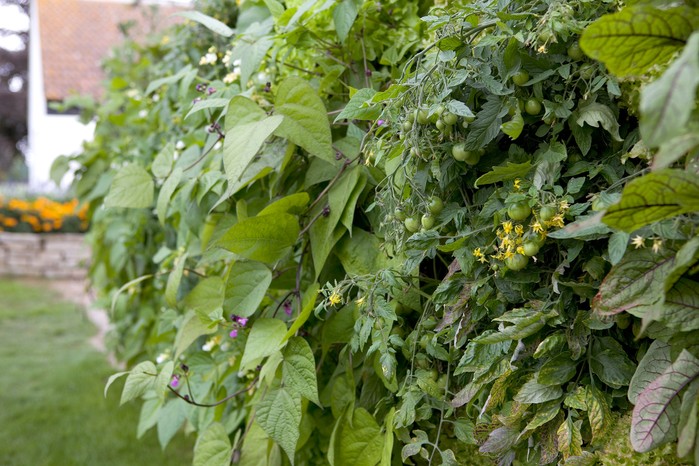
(638, 37)
(503, 173)
(132, 187)
(672, 150)
(514, 127)
(246, 287)
(170, 418)
(279, 414)
(299, 370)
(211, 23)
(652, 366)
(361, 254)
(533, 392)
(525, 322)
(596, 114)
(207, 103)
(667, 103)
(265, 339)
(570, 438)
(305, 118)
(388, 444)
(266, 238)
(323, 233)
(255, 446)
(163, 379)
(150, 412)
(598, 413)
(162, 164)
(617, 246)
(213, 447)
(635, 283)
(192, 328)
(361, 442)
(141, 379)
(359, 107)
(174, 279)
(557, 370)
(247, 128)
(545, 412)
(168, 80)
(293, 203)
(609, 362)
(111, 380)
(680, 308)
(344, 15)
(166, 192)
(486, 126)
(655, 415)
(307, 304)
(206, 296)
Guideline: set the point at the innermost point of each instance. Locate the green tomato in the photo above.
(469, 119)
(473, 156)
(427, 221)
(435, 205)
(532, 106)
(547, 213)
(450, 119)
(575, 52)
(399, 214)
(407, 125)
(530, 248)
(440, 109)
(519, 211)
(520, 78)
(412, 224)
(458, 151)
(587, 71)
(516, 262)
(549, 120)
(441, 126)
(422, 117)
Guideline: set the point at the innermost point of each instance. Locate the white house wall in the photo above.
(49, 135)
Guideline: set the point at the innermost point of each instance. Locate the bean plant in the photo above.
(405, 232)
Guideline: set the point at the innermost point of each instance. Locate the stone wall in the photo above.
(56, 255)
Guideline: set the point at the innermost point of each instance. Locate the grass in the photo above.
(52, 407)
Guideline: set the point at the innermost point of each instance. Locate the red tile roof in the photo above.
(77, 34)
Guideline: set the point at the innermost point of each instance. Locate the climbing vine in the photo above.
(403, 232)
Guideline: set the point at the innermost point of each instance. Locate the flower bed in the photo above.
(43, 238)
(42, 215)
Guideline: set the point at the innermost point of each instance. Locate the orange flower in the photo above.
(10, 222)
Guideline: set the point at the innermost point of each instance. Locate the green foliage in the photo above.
(351, 318)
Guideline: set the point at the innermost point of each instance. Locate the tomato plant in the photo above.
(258, 235)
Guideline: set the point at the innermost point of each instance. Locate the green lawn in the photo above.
(52, 407)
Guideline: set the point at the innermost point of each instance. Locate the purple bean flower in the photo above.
(242, 321)
(234, 333)
(175, 381)
(380, 122)
(287, 308)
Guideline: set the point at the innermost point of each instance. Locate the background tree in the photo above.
(14, 53)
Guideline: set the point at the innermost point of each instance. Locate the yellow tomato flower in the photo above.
(507, 227)
(335, 298)
(639, 241)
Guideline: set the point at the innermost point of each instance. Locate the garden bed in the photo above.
(58, 255)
